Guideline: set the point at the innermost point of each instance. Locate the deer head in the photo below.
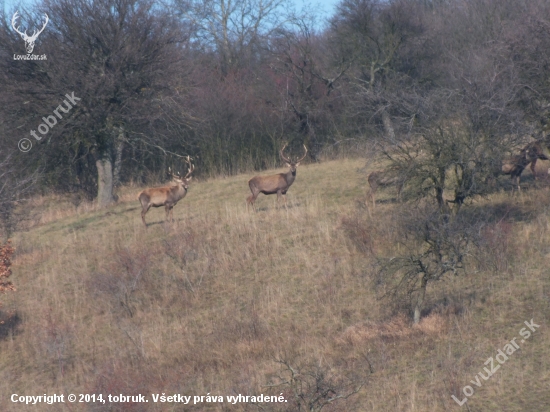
(176, 177)
(292, 165)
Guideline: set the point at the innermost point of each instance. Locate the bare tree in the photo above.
(235, 29)
(119, 59)
(313, 387)
(435, 245)
(310, 74)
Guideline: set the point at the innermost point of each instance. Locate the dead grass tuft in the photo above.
(396, 328)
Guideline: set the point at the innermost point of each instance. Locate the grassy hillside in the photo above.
(225, 302)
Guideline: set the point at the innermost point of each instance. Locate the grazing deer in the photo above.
(515, 166)
(167, 196)
(381, 178)
(278, 183)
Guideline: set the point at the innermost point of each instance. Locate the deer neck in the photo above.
(179, 191)
(290, 176)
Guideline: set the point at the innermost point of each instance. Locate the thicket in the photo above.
(229, 85)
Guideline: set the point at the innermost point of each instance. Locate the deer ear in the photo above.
(189, 178)
(287, 164)
(297, 164)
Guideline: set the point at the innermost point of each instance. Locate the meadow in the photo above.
(225, 302)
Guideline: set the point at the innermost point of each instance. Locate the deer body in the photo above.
(279, 183)
(167, 196)
(515, 167)
(536, 151)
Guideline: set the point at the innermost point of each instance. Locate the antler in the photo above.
(190, 169)
(302, 158)
(25, 36)
(282, 154)
(286, 159)
(35, 34)
(173, 175)
(14, 18)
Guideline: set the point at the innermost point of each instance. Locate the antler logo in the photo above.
(29, 40)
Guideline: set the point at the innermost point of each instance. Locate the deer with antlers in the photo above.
(279, 183)
(515, 165)
(167, 196)
(29, 40)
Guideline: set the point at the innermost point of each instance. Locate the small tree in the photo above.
(436, 245)
(123, 74)
(313, 387)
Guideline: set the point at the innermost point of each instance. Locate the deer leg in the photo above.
(533, 164)
(250, 200)
(144, 210)
(515, 182)
(372, 193)
(399, 189)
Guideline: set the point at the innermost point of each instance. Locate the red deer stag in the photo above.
(381, 178)
(515, 165)
(167, 196)
(278, 183)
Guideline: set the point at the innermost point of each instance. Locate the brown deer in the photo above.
(278, 183)
(167, 196)
(381, 178)
(536, 151)
(515, 166)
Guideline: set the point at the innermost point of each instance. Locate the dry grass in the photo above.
(211, 303)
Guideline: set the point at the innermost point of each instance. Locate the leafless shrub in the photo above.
(313, 387)
(6, 252)
(56, 341)
(183, 248)
(121, 279)
(360, 232)
(118, 377)
(496, 240)
(435, 244)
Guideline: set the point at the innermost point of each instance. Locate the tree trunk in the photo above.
(104, 181)
(420, 299)
(439, 188)
(388, 126)
(118, 157)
